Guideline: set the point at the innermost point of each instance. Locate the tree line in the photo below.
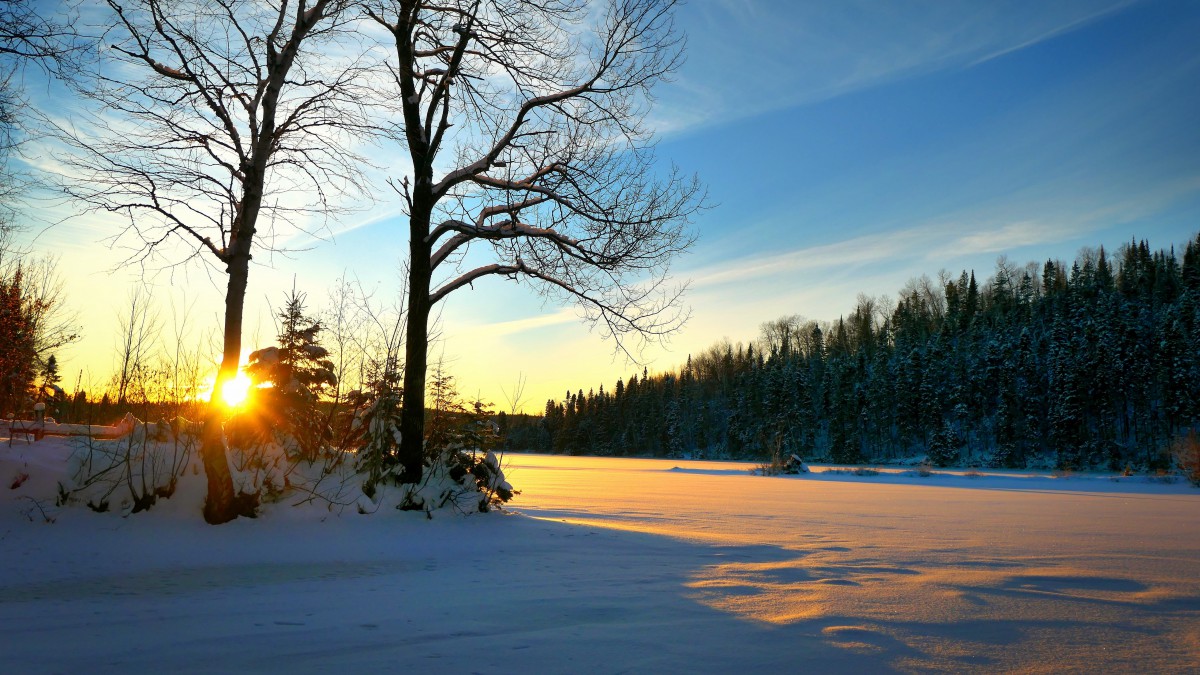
(1089, 365)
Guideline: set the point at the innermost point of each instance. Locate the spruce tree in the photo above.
(292, 378)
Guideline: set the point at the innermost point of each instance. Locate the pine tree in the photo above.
(291, 379)
(374, 427)
(50, 376)
(1090, 364)
(18, 347)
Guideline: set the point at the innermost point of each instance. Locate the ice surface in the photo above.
(618, 565)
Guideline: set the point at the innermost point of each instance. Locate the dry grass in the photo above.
(857, 471)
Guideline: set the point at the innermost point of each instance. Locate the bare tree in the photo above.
(341, 322)
(782, 335)
(538, 107)
(218, 117)
(36, 30)
(29, 33)
(186, 366)
(36, 33)
(515, 398)
(139, 327)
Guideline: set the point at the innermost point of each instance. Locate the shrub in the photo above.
(1186, 452)
(461, 469)
(130, 473)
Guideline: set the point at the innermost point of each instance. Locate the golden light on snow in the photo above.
(235, 391)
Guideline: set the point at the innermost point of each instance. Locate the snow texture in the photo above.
(615, 565)
(121, 428)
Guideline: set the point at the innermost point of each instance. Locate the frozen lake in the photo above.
(623, 565)
(942, 572)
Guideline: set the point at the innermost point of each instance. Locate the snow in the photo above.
(616, 565)
(124, 426)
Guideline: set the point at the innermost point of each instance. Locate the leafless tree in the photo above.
(34, 322)
(931, 294)
(341, 323)
(36, 30)
(139, 328)
(216, 119)
(186, 365)
(516, 397)
(30, 33)
(42, 34)
(537, 107)
(784, 334)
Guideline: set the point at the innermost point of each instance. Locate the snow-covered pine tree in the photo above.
(1084, 365)
(374, 428)
(292, 379)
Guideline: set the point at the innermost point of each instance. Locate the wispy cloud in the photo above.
(856, 251)
(748, 57)
(1008, 236)
(952, 236)
(1055, 30)
(304, 240)
(503, 328)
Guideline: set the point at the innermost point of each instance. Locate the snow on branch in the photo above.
(504, 230)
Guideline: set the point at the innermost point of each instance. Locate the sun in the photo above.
(235, 391)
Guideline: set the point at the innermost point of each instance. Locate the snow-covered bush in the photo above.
(481, 472)
(373, 429)
(466, 482)
(780, 465)
(461, 441)
(131, 473)
(792, 466)
(257, 462)
(461, 470)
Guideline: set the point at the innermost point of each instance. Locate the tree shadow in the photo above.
(499, 594)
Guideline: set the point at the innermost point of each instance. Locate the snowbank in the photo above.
(121, 428)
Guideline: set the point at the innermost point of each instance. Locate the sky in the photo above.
(847, 148)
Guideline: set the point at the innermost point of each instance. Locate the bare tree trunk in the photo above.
(220, 506)
(220, 503)
(416, 353)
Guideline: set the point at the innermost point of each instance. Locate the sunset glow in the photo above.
(235, 391)
(656, 336)
(1039, 131)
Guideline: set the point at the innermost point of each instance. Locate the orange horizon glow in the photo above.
(236, 390)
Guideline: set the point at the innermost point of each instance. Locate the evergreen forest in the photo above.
(1092, 365)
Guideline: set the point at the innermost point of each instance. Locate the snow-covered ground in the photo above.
(618, 565)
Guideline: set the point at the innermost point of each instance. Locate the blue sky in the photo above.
(848, 147)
